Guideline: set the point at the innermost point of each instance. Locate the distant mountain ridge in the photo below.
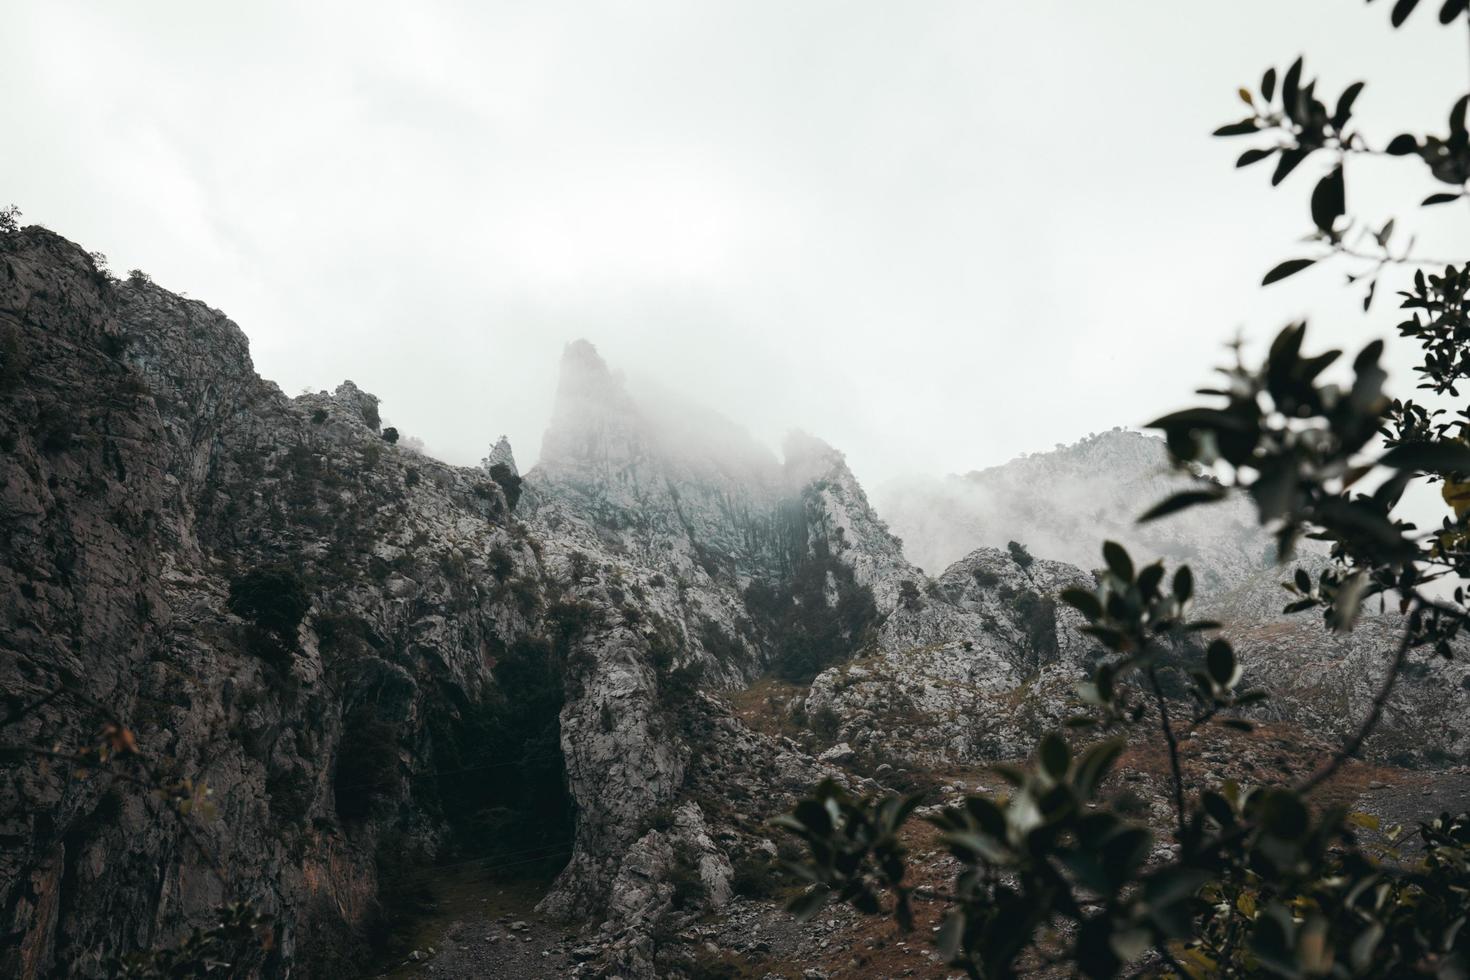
(1063, 504)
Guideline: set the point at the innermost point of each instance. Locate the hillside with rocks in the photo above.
(340, 674)
(1061, 503)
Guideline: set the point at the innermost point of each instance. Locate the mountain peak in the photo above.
(501, 453)
(592, 410)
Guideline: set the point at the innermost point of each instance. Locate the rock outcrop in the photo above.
(361, 657)
(314, 626)
(501, 455)
(149, 478)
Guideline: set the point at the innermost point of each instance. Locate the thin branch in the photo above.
(1365, 728)
(1173, 743)
(1383, 260)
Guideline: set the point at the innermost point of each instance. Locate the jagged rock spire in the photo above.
(359, 402)
(501, 453)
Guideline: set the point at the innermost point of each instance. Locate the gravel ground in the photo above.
(488, 929)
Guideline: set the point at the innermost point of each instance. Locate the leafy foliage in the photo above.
(509, 482)
(1260, 881)
(273, 598)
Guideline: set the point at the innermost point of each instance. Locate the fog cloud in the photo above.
(937, 235)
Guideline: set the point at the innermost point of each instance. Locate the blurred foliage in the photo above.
(1258, 880)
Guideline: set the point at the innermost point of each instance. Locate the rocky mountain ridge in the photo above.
(379, 664)
(1061, 503)
(320, 626)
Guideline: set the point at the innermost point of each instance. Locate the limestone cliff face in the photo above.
(667, 515)
(455, 653)
(146, 469)
(976, 666)
(151, 479)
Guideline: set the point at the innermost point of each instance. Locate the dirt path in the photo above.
(483, 927)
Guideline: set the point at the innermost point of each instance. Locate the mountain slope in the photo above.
(1062, 504)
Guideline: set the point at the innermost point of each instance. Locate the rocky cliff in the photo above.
(361, 659)
(279, 605)
(370, 665)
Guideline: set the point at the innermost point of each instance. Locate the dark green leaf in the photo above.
(1344, 110)
(1285, 815)
(1402, 145)
(814, 816)
(1328, 200)
(1289, 86)
(1287, 163)
(1095, 764)
(1182, 500)
(1010, 774)
(1268, 83)
(1451, 10)
(1149, 579)
(1217, 807)
(1183, 583)
(1440, 456)
(1243, 128)
(1434, 199)
(1083, 601)
(1288, 268)
(987, 816)
(1170, 885)
(1118, 561)
(1220, 659)
(1054, 755)
(1401, 11)
(1253, 156)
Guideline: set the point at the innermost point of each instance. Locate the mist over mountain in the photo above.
(1060, 504)
(590, 684)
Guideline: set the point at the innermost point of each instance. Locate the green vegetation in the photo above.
(510, 484)
(808, 634)
(1038, 616)
(1260, 880)
(273, 598)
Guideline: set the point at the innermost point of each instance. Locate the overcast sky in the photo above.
(937, 234)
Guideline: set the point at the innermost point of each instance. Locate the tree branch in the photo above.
(1365, 728)
(1175, 768)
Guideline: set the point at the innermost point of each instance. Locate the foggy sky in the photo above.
(937, 234)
